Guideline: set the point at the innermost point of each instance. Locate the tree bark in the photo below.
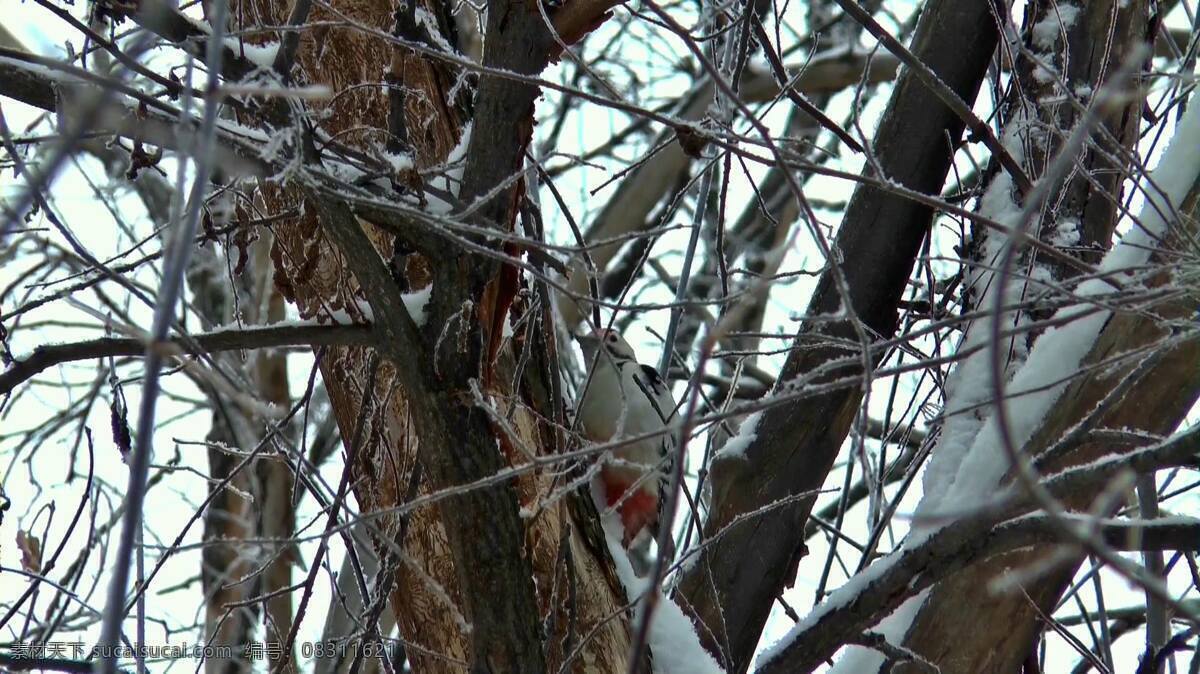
(463, 568)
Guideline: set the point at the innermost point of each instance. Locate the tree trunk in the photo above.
(562, 543)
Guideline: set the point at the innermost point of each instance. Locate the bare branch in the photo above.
(49, 355)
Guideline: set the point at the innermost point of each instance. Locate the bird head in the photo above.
(609, 340)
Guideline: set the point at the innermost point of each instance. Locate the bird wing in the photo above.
(656, 391)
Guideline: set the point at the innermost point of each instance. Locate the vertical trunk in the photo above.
(257, 504)
(274, 510)
(416, 554)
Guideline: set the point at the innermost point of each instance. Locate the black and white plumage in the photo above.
(626, 399)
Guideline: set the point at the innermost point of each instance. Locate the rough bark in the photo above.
(469, 560)
(562, 543)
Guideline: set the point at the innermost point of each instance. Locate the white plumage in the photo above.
(625, 399)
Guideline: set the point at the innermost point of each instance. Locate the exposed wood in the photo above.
(468, 561)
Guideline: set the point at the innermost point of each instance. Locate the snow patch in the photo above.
(261, 55)
(893, 628)
(1060, 17)
(1057, 355)
(234, 128)
(340, 316)
(1045, 73)
(968, 387)
(456, 161)
(673, 642)
(400, 162)
(838, 599)
(40, 71)
(346, 173)
(1066, 233)
(426, 19)
(415, 303)
(736, 446)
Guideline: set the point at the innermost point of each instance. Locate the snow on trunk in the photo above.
(674, 646)
(1058, 353)
(967, 387)
(978, 464)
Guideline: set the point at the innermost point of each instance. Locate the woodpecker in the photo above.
(626, 399)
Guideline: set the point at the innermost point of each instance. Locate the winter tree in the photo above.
(291, 292)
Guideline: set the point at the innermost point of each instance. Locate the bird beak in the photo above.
(589, 343)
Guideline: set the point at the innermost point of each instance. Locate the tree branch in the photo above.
(49, 355)
(796, 443)
(853, 608)
(456, 447)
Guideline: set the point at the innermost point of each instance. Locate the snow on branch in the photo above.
(886, 585)
(1037, 385)
(933, 552)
